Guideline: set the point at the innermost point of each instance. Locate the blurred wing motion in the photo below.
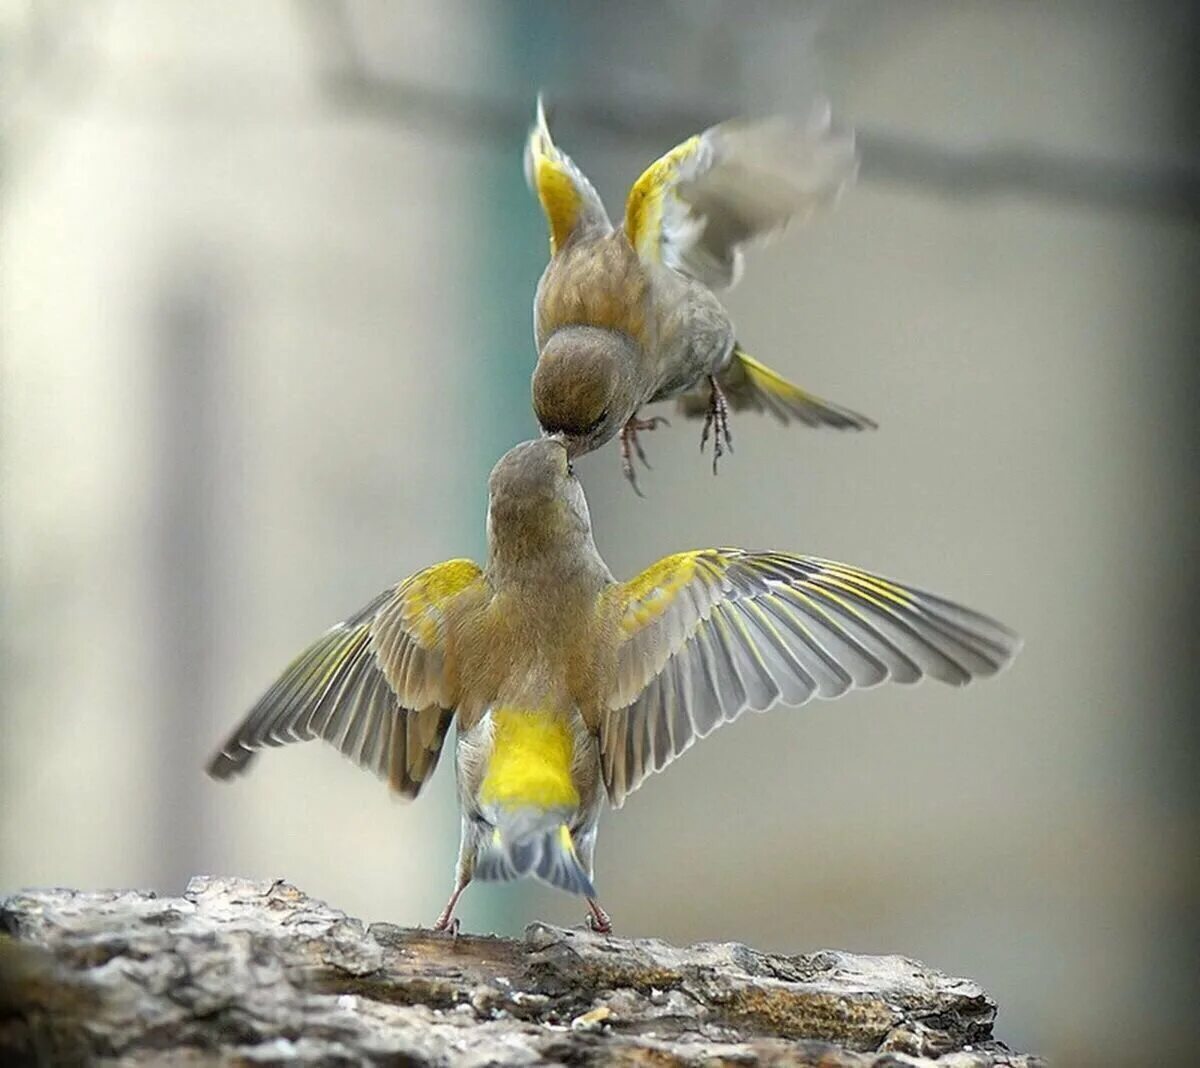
(571, 205)
(696, 207)
(708, 634)
(372, 686)
(748, 384)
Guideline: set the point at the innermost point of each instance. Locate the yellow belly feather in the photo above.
(530, 762)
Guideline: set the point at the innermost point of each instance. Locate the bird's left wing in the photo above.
(705, 635)
(696, 207)
(374, 686)
(570, 203)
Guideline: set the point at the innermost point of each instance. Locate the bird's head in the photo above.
(535, 503)
(583, 386)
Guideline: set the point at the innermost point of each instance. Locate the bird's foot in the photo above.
(447, 921)
(630, 446)
(597, 919)
(717, 421)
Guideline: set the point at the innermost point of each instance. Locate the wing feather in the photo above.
(705, 707)
(374, 686)
(796, 683)
(760, 690)
(706, 635)
(569, 201)
(695, 208)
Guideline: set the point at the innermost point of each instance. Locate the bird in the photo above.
(568, 688)
(625, 316)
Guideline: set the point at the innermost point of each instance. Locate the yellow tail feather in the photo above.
(781, 398)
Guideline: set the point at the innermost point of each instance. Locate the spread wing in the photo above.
(373, 686)
(705, 635)
(570, 203)
(696, 207)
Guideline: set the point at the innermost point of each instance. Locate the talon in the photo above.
(716, 421)
(627, 466)
(631, 446)
(597, 919)
(641, 454)
(447, 921)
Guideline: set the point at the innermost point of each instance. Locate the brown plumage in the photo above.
(625, 317)
(567, 686)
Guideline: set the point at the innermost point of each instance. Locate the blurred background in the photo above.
(265, 313)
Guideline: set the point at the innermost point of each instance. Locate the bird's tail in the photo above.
(537, 844)
(749, 384)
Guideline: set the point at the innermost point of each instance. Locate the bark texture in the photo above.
(258, 973)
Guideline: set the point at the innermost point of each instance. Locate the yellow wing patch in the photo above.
(530, 762)
(644, 205)
(426, 593)
(568, 200)
(651, 593)
(559, 199)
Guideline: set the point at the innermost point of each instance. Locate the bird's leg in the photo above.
(447, 921)
(597, 919)
(630, 446)
(717, 420)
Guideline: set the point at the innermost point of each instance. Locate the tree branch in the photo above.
(239, 971)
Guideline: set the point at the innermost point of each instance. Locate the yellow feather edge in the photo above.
(560, 200)
(768, 381)
(648, 595)
(426, 593)
(644, 205)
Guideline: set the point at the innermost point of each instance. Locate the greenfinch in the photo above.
(567, 686)
(627, 316)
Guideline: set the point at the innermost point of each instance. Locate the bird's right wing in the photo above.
(705, 635)
(696, 207)
(373, 686)
(570, 203)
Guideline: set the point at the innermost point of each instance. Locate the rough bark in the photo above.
(240, 972)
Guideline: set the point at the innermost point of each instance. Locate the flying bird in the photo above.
(625, 316)
(567, 687)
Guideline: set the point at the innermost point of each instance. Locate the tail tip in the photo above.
(549, 857)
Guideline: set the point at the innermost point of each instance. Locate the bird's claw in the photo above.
(597, 919)
(631, 446)
(717, 421)
(447, 921)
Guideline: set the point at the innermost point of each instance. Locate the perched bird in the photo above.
(567, 686)
(624, 317)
